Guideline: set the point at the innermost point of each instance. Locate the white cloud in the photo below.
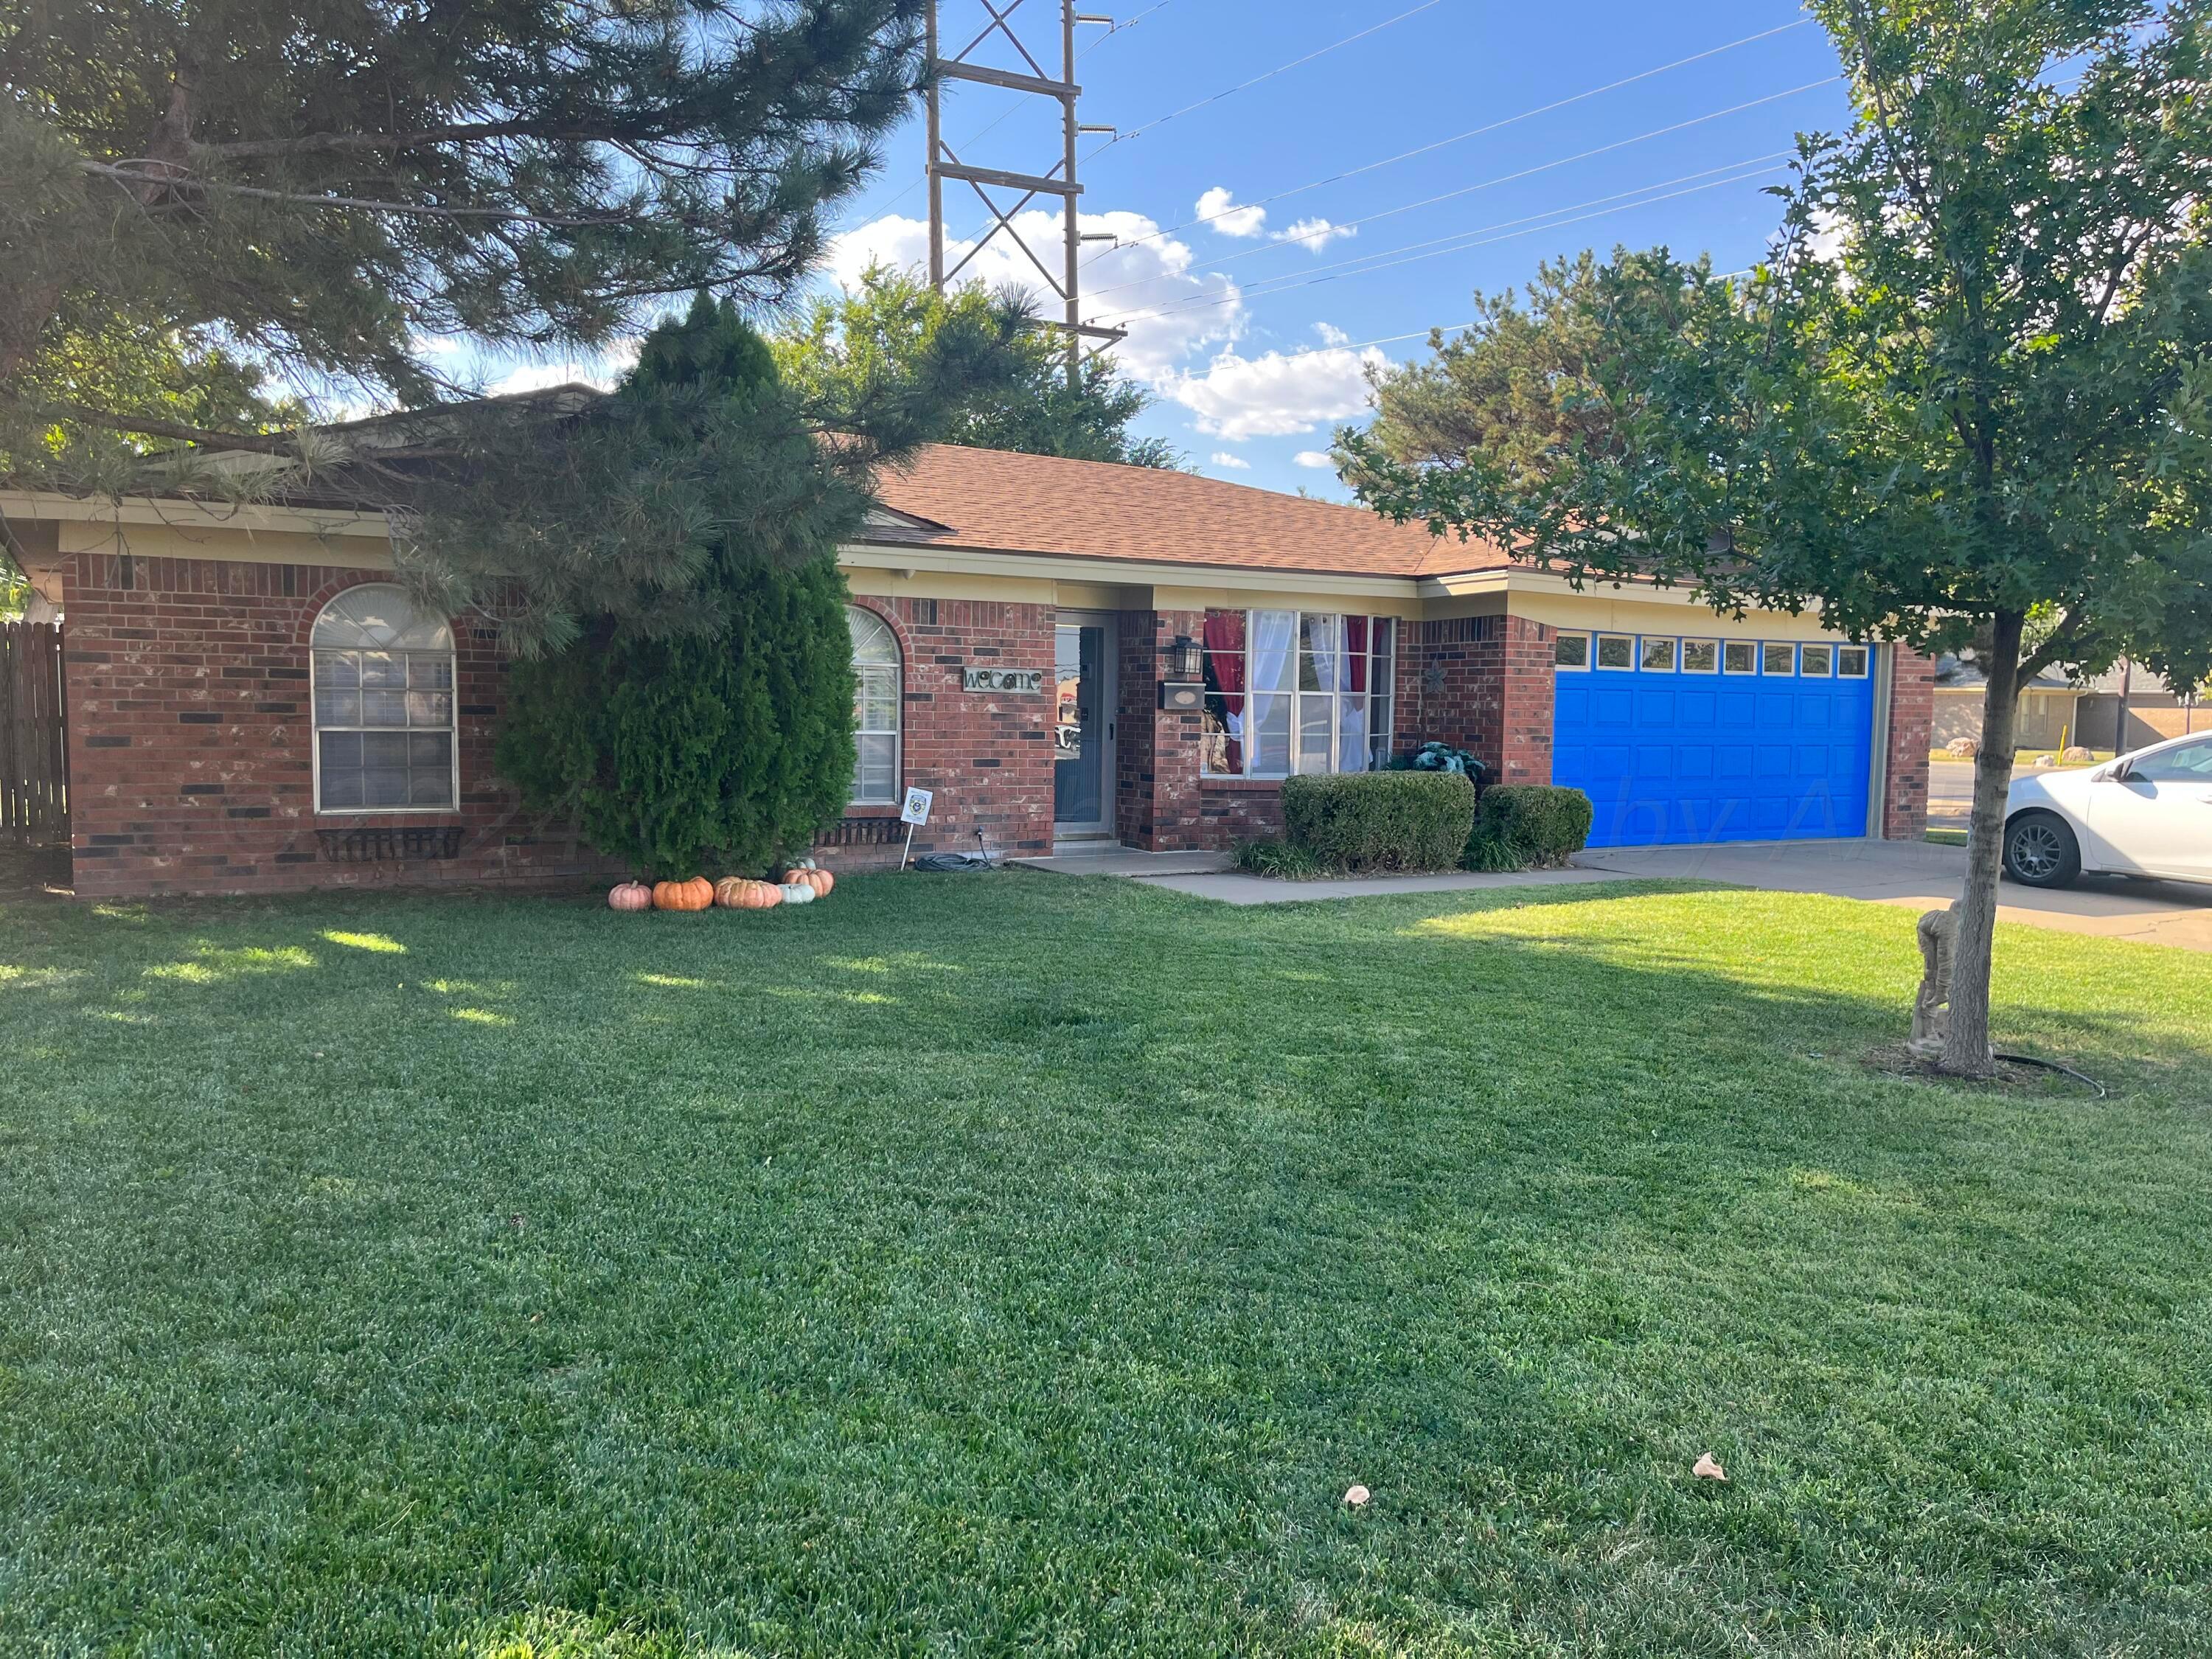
(1234, 463)
(1217, 208)
(1316, 458)
(1120, 285)
(601, 369)
(1315, 235)
(1274, 394)
(1331, 334)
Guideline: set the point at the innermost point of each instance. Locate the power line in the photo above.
(1759, 164)
(1525, 173)
(1481, 241)
(1474, 132)
(1280, 69)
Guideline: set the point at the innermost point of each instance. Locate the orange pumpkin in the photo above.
(737, 893)
(823, 881)
(630, 896)
(806, 875)
(696, 894)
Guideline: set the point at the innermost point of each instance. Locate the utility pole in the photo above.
(1024, 73)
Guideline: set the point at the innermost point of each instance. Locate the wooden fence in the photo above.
(34, 742)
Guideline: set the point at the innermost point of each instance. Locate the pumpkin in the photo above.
(797, 892)
(736, 893)
(807, 874)
(822, 881)
(630, 896)
(696, 894)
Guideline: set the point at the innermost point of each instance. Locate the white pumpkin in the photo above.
(798, 892)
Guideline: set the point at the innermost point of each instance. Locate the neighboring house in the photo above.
(2123, 707)
(254, 705)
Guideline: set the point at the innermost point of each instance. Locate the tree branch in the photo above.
(173, 181)
(148, 426)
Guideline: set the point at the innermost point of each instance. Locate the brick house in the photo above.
(1059, 650)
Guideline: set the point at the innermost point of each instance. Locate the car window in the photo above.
(2190, 762)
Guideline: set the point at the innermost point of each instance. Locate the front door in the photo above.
(1083, 726)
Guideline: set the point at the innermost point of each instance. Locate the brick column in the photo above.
(1156, 786)
(1911, 721)
(1482, 683)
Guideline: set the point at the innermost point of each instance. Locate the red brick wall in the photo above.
(1911, 721)
(986, 757)
(190, 740)
(1158, 803)
(1482, 683)
(1239, 809)
(190, 735)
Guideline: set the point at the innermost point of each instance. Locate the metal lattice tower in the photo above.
(1059, 181)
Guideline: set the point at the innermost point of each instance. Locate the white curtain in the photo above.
(1274, 639)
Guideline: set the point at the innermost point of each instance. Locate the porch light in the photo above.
(1182, 676)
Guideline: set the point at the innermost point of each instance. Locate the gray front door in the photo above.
(1083, 725)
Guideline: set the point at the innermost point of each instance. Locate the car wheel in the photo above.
(2041, 851)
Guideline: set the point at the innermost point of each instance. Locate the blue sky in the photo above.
(1251, 326)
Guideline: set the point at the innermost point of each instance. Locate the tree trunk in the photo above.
(1967, 1048)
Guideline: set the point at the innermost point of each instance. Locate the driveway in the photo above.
(1920, 876)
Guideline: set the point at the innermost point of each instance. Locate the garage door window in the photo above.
(1852, 662)
(1742, 657)
(1658, 656)
(1616, 651)
(1571, 651)
(1701, 656)
(1814, 661)
(1777, 658)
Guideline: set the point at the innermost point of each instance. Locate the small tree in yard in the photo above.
(1967, 402)
(733, 743)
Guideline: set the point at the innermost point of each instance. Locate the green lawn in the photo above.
(1018, 1263)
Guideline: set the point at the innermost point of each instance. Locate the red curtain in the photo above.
(1224, 671)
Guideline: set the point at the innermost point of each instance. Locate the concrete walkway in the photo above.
(1920, 876)
(1911, 875)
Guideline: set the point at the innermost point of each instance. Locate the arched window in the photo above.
(875, 708)
(384, 705)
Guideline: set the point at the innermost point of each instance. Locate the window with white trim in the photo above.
(1297, 691)
(1701, 656)
(1571, 651)
(1616, 651)
(1740, 657)
(1777, 660)
(1815, 661)
(383, 670)
(1658, 655)
(876, 674)
(1852, 662)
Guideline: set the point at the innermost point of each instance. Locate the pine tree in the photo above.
(322, 185)
(722, 749)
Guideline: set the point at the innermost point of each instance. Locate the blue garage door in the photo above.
(1683, 740)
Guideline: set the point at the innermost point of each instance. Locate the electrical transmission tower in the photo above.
(1058, 180)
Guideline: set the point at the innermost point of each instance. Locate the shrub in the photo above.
(1280, 859)
(1380, 820)
(1962, 749)
(1523, 826)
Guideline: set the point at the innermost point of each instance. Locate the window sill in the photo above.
(1240, 786)
(382, 814)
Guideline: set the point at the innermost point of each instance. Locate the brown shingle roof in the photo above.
(995, 501)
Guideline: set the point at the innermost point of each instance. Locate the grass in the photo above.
(1011, 1263)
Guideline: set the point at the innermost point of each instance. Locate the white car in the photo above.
(2148, 813)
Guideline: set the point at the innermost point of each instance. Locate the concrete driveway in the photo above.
(1920, 876)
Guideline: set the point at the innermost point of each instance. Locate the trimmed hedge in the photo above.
(1380, 820)
(1523, 826)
